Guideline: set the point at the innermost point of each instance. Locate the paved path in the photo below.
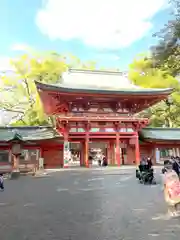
(79, 205)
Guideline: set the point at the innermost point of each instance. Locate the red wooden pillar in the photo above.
(86, 145)
(118, 158)
(63, 129)
(113, 152)
(112, 156)
(137, 151)
(109, 153)
(86, 150)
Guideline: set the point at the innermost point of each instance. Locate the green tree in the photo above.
(47, 68)
(166, 54)
(166, 113)
(22, 96)
(143, 74)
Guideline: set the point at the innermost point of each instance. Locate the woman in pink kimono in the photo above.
(172, 190)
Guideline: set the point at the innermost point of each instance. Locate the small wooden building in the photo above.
(37, 142)
(160, 143)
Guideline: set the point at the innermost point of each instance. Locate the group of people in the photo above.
(102, 161)
(145, 172)
(145, 164)
(171, 181)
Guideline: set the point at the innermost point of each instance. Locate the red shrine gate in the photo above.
(88, 112)
(116, 136)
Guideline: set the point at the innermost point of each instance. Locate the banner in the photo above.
(157, 155)
(67, 153)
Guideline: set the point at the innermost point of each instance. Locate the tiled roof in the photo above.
(27, 133)
(171, 134)
(99, 82)
(44, 133)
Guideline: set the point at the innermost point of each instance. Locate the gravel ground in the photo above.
(93, 205)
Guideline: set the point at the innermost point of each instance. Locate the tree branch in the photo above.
(11, 110)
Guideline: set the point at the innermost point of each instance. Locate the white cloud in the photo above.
(107, 56)
(98, 23)
(20, 47)
(5, 61)
(5, 64)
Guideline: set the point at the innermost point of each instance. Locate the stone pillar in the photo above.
(16, 152)
(15, 163)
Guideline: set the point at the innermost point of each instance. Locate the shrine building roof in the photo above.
(37, 133)
(27, 133)
(161, 134)
(101, 82)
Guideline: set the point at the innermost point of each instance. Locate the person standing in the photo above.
(105, 162)
(171, 189)
(1, 182)
(176, 166)
(142, 165)
(149, 163)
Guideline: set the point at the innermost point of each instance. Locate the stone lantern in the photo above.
(16, 144)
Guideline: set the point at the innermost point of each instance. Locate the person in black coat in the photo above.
(105, 162)
(149, 163)
(176, 167)
(1, 182)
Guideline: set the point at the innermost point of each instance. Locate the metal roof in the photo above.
(33, 133)
(99, 82)
(163, 134)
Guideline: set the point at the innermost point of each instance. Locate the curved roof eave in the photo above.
(160, 134)
(28, 133)
(123, 91)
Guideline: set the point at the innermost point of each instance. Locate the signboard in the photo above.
(123, 145)
(96, 145)
(157, 155)
(74, 146)
(66, 154)
(16, 149)
(132, 141)
(41, 163)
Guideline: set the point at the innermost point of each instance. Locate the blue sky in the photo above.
(112, 34)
